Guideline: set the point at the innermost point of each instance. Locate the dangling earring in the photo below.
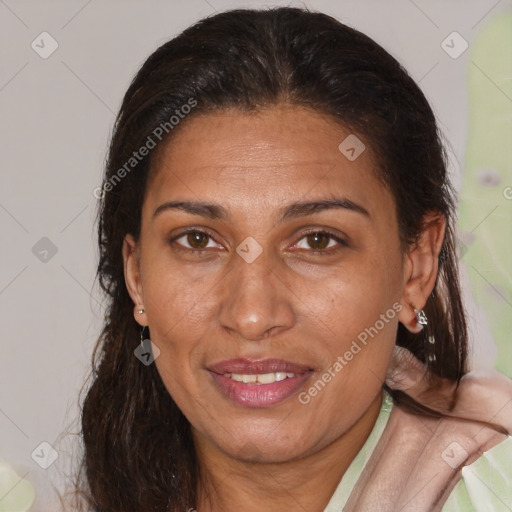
(430, 340)
(147, 351)
(421, 317)
(144, 335)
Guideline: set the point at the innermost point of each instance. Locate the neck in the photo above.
(308, 483)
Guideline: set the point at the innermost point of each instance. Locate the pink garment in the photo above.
(408, 469)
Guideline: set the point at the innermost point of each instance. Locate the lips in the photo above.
(248, 367)
(259, 383)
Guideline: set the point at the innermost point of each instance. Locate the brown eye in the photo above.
(321, 242)
(194, 240)
(318, 241)
(197, 240)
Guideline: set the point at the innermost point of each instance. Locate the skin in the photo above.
(289, 303)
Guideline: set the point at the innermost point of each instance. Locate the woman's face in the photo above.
(265, 249)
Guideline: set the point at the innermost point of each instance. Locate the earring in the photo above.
(421, 318)
(141, 311)
(144, 338)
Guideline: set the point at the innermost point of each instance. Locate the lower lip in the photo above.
(259, 395)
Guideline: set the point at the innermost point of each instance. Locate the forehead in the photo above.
(267, 157)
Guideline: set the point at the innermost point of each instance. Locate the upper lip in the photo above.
(252, 367)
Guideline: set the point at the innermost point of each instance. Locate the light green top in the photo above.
(485, 486)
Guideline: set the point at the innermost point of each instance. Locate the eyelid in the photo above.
(324, 231)
(189, 230)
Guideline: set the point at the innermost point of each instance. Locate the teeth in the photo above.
(267, 378)
(262, 378)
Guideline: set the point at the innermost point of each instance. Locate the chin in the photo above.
(265, 448)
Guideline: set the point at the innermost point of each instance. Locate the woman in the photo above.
(275, 219)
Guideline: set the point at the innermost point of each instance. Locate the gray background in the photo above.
(57, 115)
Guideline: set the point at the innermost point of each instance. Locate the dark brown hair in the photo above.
(138, 450)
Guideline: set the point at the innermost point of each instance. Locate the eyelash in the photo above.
(320, 252)
(325, 252)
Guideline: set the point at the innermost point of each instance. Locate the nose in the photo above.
(256, 301)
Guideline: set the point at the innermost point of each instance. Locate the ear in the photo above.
(421, 268)
(132, 278)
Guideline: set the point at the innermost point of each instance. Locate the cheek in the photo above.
(175, 298)
(354, 297)
(361, 314)
(177, 315)
(358, 311)
(179, 330)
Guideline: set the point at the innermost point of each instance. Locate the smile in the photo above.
(261, 378)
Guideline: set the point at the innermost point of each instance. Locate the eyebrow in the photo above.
(291, 211)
